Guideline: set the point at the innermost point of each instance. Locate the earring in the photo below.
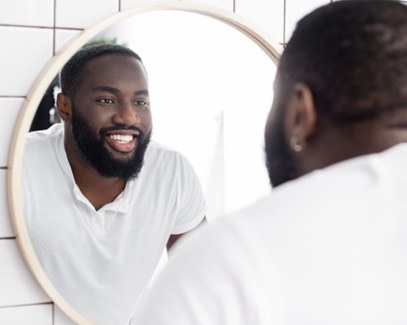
(296, 145)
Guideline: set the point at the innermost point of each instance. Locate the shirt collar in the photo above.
(120, 204)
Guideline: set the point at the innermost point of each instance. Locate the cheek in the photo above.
(100, 118)
(146, 119)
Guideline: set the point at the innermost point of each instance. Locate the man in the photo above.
(329, 247)
(101, 200)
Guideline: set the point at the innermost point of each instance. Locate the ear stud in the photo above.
(296, 145)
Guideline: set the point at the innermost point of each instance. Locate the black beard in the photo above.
(281, 164)
(94, 150)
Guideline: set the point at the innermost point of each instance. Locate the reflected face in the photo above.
(111, 117)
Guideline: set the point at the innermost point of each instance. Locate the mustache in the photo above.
(103, 131)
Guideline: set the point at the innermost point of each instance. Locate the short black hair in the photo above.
(352, 55)
(72, 72)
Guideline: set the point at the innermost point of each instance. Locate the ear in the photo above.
(301, 117)
(64, 105)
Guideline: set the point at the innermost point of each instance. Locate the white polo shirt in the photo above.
(100, 261)
(328, 248)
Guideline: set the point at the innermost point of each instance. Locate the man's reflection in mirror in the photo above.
(102, 201)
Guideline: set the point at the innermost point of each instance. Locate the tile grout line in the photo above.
(41, 27)
(53, 313)
(27, 305)
(54, 28)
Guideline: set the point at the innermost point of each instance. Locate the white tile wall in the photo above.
(80, 13)
(5, 225)
(63, 36)
(268, 15)
(28, 50)
(224, 4)
(127, 4)
(9, 108)
(28, 12)
(24, 315)
(18, 286)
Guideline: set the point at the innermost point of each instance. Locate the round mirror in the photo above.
(210, 80)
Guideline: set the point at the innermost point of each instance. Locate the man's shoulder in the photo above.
(43, 144)
(346, 191)
(155, 147)
(54, 132)
(158, 152)
(328, 200)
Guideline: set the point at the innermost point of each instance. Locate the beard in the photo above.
(94, 149)
(281, 164)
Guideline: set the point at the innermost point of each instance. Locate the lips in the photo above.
(123, 141)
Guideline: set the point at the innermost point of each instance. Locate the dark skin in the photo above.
(327, 142)
(114, 91)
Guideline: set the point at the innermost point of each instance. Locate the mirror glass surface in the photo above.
(211, 89)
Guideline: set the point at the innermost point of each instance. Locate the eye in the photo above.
(141, 102)
(105, 101)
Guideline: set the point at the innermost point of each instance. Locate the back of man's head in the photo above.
(353, 56)
(341, 78)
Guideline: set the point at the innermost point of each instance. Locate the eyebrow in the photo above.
(115, 90)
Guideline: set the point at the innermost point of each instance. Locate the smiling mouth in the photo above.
(123, 142)
(121, 138)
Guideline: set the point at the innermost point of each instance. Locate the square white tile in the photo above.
(28, 50)
(296, 9)
(267, 15)
(28, 13)
(63, 37)
(33, 315)
(17, 284)
(81, 14)
(9, 109)
(5, 224)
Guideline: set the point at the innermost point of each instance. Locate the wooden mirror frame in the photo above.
(37, 91)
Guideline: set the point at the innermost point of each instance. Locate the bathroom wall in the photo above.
(32, 32)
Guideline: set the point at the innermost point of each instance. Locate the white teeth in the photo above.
(121, 138)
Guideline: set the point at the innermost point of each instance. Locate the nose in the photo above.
(127, 114)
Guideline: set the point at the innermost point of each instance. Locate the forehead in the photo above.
(113, 69)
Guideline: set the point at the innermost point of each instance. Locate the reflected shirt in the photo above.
(101, 261)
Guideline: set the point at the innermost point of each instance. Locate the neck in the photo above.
(98, 189)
